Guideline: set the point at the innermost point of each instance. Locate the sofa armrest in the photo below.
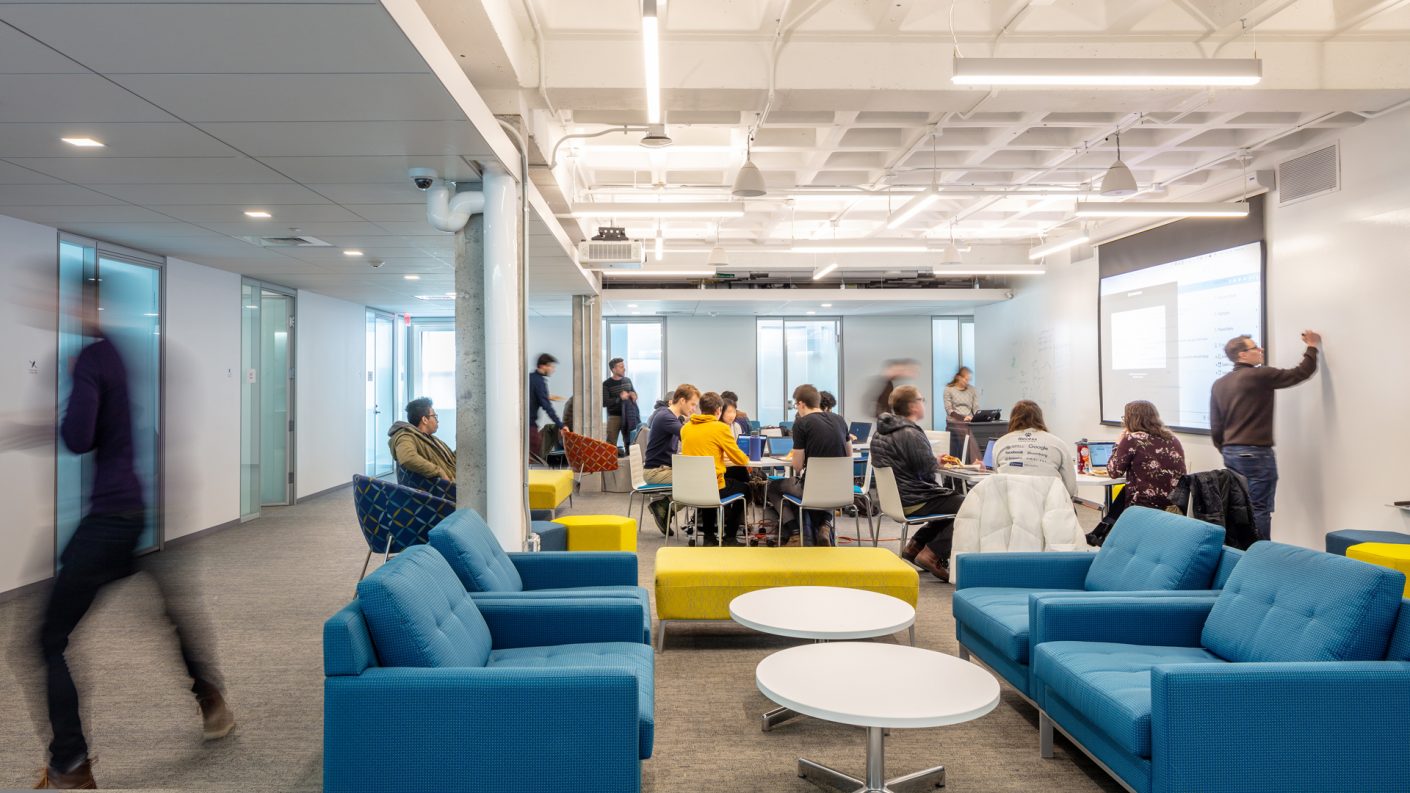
(1058, 570)
(565, 569)
(1124, 618)
(530, 622)
(1280, 726)
(481, 729)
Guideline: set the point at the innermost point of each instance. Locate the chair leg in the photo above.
(388, 555)
(857, 524)
(719, 526)
(905, 529)
(366, 560)
(670, 521)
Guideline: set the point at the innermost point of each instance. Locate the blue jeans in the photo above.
(1258, 465)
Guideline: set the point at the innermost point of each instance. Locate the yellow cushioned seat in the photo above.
(1386, 554)
(699, 583)
(548, 488)
(600, 532)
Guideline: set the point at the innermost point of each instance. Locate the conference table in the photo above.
(968, 477)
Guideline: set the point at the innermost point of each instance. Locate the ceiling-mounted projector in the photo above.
(621, 254)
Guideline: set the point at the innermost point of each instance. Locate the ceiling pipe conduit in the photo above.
(450, 211)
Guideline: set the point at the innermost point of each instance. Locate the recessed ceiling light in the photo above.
(351, 252)
(83, 143)
(827, 305)
(412, 277)
(811, 313)
(631, 305)
(257, 213)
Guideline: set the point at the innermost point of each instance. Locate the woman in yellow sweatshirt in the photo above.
(706, 436)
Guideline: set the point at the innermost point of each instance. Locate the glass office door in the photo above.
(792, 352)
(431, 371)
(641, 344)
(381, 391)
(119, 292)
(266, 398)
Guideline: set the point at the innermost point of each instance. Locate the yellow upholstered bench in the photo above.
(549, 487)
(600, 532)
(1386, 554)
(697, 584)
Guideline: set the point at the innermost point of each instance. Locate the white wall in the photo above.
(552, 335)
(202, 398)
(1336, 264)
(27, 334)
(867, 342)
(713, 354)
(331, 410)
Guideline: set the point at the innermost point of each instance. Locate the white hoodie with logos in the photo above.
(1036, 453)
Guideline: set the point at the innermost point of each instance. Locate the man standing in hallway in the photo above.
(415, 445)
(540, 400)
(616, 390)
(1241, 418)
(99, 421)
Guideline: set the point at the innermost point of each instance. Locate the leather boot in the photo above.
(911, 550)
(80, 777)
(927, 560)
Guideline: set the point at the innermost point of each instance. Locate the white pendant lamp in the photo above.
(719, 257)
(749, 182)
(1118, 180)
(951, 253)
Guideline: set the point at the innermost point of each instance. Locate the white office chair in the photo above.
(693, 485)
(939, 441)
(640, 487)
(863, 492)
(892, 508)
(827, 486)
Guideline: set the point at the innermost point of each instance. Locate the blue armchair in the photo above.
(425, 689)
(490, 574)
(1295, 677)
(1157, 553)
(393, 517)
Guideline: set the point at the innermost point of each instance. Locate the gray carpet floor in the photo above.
(265, 589)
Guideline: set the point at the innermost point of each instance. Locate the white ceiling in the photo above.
(797, 302)
(312, 111)
(859, 98)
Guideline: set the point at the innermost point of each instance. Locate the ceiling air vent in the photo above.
(1310, 175)
(292, 241)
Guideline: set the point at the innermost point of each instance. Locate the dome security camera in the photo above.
(375, 263)
(423, 178)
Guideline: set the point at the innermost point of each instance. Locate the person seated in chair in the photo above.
(414, 443)
(706, 436)
(816, 433)
(901, 445)
(664, 440)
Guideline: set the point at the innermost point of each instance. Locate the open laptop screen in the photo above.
(861, 430)
(1101, 452)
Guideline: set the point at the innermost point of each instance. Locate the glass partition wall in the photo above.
(381, 390)
(952, 346)
(641, 344)
(431, 371)
(266, 397)
(792, 352)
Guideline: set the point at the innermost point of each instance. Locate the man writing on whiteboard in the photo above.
(1241, 418)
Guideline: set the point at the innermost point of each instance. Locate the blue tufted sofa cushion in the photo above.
(419, 615)
(1284, 603)
(1152, 550)
(467, 543)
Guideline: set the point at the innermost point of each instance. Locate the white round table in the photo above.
(820, 613)
(887, 686)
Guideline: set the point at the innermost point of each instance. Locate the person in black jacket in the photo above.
(540, 400)
(615, 390)
(901, 445)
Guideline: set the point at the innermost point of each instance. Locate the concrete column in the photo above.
(471, 452)
(580, 362)
(596, 368)
(506, 432)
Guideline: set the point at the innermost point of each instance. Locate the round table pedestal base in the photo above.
(776, 717)
(876, 782)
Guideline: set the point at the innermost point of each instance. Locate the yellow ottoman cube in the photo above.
(549, 487)
(600, 532)
(699, 583)
(1386, 554)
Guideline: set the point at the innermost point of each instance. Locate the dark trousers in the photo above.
(813, 520)
(535, 441)
(1260, 468)
(614, 430)
(938, 535)
(99, 553)
(734, 513)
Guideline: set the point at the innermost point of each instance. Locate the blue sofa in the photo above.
(488, 573)
(1295, 677)
(1147, 551)
(427, 689)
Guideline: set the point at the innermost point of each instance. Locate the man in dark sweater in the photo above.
(1241, 418)
(99, 420)
(615, 390)
(901, 445)
(540, 400)
(664, 440)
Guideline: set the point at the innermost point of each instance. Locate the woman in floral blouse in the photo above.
(1148, 455)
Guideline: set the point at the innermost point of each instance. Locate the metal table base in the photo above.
(876, 781)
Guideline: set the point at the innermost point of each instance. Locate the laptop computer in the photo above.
(779, 447)
(986, 415)
(861, 430)
(989, 455)
(1101, 453)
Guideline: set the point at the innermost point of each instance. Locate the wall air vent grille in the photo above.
(611, 254)
(295, 241)
(1313, 174)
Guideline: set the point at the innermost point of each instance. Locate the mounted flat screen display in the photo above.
(1163, 329)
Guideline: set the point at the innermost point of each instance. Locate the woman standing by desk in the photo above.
(961, 403)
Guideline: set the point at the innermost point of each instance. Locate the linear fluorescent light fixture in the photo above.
(1161, 209)
(257, 214)
(658, 273)
(824, 271)
(1057, 246)
(84, 143)
(911, 208)
(658, 210)
(858, 247)
(941, 270)
(1107, 71)
(651, 56)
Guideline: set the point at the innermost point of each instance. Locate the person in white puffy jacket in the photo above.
(1030, 450)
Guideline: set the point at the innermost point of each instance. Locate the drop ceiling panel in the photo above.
(283, 214)
(20, 54)
(254, 195)
(360, 139)
(65, 215)
(14, 174)
(122, 140)
(352, 195)
(151, 170)
(369, 169)
(405, 213)
(45, 98)
(51, 195)
(222, 38)
(321, 230)
(296, 97)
